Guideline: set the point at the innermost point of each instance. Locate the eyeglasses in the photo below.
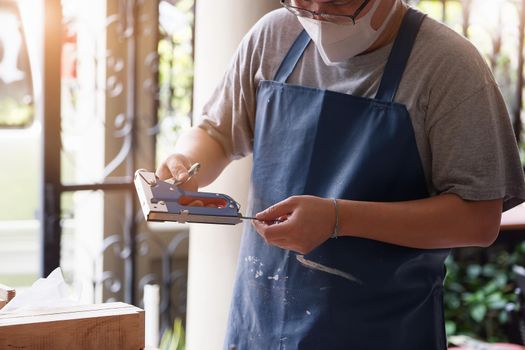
(325, 17)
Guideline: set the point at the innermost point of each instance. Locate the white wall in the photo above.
(213, 248)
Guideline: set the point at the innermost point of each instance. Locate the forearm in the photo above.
(199, 147)
(443, 221)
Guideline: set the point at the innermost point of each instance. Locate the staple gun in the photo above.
(164, 201)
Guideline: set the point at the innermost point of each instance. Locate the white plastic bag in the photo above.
(46, 293)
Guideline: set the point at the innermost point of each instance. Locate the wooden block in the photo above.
(108, 326)
(6, 293)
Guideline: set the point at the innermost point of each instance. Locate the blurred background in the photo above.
(90, 91)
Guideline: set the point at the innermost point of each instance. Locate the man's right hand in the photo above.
(194, 146)
(176, 166)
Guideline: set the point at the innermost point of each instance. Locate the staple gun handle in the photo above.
(207, 199)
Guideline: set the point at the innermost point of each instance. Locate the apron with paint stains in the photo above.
(349, 293)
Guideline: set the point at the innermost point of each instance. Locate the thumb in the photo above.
(276, 211)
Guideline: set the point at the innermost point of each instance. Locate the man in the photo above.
(378, 145)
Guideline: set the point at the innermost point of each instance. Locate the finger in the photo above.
(272, 232)
(191, 186)
(281, 219)
(264, 223)
(177, 166)
(172, 169)
(278, 231)
(179, 172)
(283, 208)
(180, 176)
(261, 224)
(163, 172)
(260, 227)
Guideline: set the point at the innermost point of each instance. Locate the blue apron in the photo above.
(349, 293)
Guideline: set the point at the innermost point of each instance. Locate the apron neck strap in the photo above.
(291, 59)
(395, 65)
(397, 61)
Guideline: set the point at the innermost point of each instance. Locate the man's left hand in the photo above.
(298, 223)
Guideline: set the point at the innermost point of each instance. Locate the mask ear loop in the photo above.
(359, 10)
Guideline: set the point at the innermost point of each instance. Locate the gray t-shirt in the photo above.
(461, 124)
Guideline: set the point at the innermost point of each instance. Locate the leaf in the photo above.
(490, 288)
(174, 338)
(450, 328)
(497, 304)
(165, 342)
(489, 270)
(179, 330)
(503, 317)
(468, 298)
(478, 312)
(473, 270)
(474, 298)
(455, 286)
(452, 301)
(501, 279)
(176, 335)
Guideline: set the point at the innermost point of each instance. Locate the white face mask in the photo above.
(339, 42)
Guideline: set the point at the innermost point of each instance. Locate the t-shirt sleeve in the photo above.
(474, 152)
(229, 114)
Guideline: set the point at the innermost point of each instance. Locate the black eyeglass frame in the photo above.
(299, 11)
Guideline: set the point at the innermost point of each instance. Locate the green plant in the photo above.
(480, 293)
(175, 50)
(174, 339)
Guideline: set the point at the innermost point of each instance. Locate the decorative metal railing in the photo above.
(131, 124)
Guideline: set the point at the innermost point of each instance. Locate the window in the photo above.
(16, 88)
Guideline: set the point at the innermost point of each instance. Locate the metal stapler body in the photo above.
(163, 201)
